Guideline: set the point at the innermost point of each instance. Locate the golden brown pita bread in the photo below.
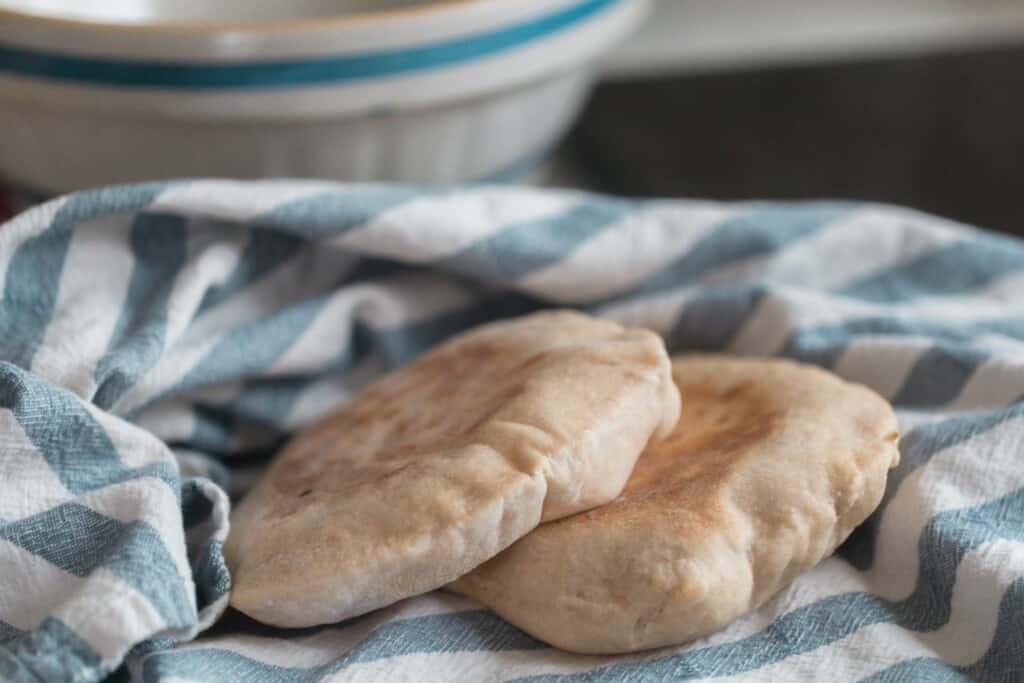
(770, 467)
(439, 466)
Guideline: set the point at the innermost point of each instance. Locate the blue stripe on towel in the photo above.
(50, 652)
(76, 446)
(159, 251)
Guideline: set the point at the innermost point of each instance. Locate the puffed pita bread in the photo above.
(770, 467)
(442, 464)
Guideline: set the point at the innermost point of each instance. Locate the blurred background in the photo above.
(914, 102)
(917, 103)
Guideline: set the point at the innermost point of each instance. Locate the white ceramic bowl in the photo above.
(95, 92)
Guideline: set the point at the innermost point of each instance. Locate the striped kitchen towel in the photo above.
(158, 341)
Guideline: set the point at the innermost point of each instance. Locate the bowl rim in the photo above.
(249, 69)
(253, 26)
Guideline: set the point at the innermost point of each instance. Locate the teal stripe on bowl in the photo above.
(273, 74)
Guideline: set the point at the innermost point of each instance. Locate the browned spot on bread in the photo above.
(715, 429)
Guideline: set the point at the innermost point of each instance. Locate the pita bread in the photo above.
(439, 466)
(771, 466)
